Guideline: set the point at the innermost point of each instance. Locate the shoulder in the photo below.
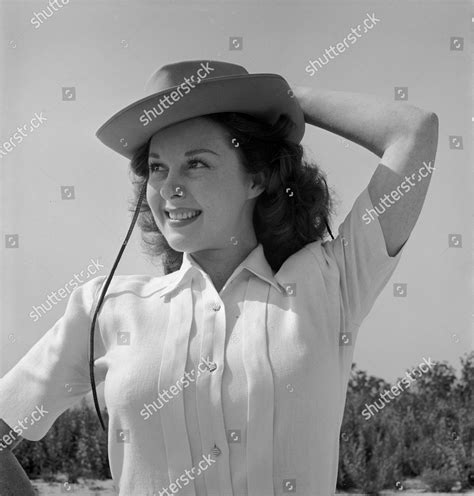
(136, 284)
(308, 253)
(303, 262)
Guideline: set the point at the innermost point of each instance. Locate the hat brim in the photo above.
(265, 96)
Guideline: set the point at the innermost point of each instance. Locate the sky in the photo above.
(64, 195)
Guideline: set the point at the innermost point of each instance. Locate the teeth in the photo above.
(181, 216)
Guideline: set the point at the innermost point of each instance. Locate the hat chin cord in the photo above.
(101, 299)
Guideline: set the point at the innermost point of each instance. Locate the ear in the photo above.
(258, 184)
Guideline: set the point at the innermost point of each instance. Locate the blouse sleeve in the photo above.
(54, 374)
(363, 264)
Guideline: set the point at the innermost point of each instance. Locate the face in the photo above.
(214, 183)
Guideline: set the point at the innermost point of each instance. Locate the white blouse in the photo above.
(240, 392)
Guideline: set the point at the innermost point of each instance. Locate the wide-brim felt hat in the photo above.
(192, 88)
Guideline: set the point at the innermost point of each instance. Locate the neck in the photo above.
(220, 263)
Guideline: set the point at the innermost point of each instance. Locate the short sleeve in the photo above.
(361, 256)
(54, 374)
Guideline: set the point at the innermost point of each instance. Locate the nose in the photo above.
(172, 188)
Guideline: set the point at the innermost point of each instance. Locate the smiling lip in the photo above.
(182, 222)
(181, 211)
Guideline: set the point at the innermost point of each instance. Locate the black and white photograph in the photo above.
(237, 251)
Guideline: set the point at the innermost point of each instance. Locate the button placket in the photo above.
(215, 397)
(178, 449)
(209, 402)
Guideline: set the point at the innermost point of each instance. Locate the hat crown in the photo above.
(192, 88)
(171, 75)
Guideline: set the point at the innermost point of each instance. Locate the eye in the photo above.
(154, 166)
(196, 160)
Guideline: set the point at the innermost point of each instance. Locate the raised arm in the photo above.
(404, 136)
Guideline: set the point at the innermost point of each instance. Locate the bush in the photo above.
(440, 480)
(427, 431)
(76, 446)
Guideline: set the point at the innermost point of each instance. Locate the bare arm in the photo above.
(405, 138)
(13, 479)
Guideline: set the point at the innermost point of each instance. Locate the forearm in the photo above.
(13, 479)
(369, 121)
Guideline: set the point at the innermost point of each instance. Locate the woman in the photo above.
(228, 374)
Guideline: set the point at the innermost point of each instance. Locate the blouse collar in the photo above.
(255, 262)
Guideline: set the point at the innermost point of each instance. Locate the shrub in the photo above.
(440, 480)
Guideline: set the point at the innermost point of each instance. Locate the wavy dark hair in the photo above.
(292, 211)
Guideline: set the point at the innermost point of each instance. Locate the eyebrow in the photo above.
(189, 152)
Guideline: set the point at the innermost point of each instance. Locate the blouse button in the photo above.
(216, 306)
(212, 366)
(215, 451)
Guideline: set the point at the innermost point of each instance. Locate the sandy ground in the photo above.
(106, 488)
(88, 488)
